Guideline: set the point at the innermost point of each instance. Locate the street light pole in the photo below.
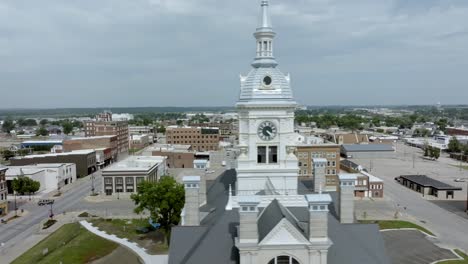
(16, 207)
(92, 184)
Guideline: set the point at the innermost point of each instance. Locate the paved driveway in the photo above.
(412, 247)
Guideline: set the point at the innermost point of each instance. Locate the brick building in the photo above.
(226, 130)
(330, 152)
(85, 160)
(366, 185)
(98, 142)
(3, 192)
(103, 125)
(200, 138)
(457, 131)
(178, 156)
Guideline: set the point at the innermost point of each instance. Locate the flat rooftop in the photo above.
(425, 181)
(42, 142)
(136, 163)
(90, 138)
(75, 152)
(367, 147)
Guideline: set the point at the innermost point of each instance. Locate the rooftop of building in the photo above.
(213, 240)
(429, 182)
(136, 163)
(14, 171)
(189, 127)
(91, 138)
(60, 141)
(367, 147)
(372, 178)
(138, 137)
(170, 148)
(74, 152)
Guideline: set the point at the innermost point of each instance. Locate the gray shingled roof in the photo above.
(213, 241)
(429, 182)
(273, 214)
(367, 147)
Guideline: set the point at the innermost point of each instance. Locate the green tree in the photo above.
(179, 122)
(442, 124)
(23, 152)
(7, 154)
(25, 185)
(67, 127)
(435, 153)
(454, 145)
(426, 151)
(44, 122)
(466, 150)
(42, 132)
(160, 129)
(164, 200)
(8, 125)
(26, 122)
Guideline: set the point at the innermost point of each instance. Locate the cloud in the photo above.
(190, 52)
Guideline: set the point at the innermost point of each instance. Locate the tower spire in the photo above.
(264, 36)
(266, 22)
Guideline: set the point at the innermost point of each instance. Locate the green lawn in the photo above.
(153, 241)
(72, 243)
(385, 224)
(459, 252)
(465, 167)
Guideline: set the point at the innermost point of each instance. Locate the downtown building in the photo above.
(103, 125)
(124, 176)
(200, 138)
(262, 213)
(3, 192)
(308, 153)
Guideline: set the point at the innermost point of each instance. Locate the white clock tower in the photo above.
(266, 106)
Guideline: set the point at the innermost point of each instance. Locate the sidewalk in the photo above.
(147, 258)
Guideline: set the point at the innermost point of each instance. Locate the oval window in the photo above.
(267, 80)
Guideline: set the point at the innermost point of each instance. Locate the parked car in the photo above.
(45, 202)
(460, 180)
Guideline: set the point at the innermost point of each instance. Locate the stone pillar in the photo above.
(318, 216)
(320, 166)
(346, 198)
(191, 212)
(248, 213)
(323, 256)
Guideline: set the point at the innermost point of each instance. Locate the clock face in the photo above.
(267, 131)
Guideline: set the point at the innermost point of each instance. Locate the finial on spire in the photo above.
(266, 22)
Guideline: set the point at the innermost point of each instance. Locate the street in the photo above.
(19, 229)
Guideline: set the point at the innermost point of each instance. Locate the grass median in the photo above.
(153, 241)
(461, 254)
(390, 224)
(72, 243)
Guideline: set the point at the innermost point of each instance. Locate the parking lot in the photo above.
(443, 221)
(412, 247)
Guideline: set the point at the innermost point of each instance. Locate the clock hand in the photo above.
(269, 133)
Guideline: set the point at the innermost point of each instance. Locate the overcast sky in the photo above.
(89, 53)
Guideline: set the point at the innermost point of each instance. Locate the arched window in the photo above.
(283, 260)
